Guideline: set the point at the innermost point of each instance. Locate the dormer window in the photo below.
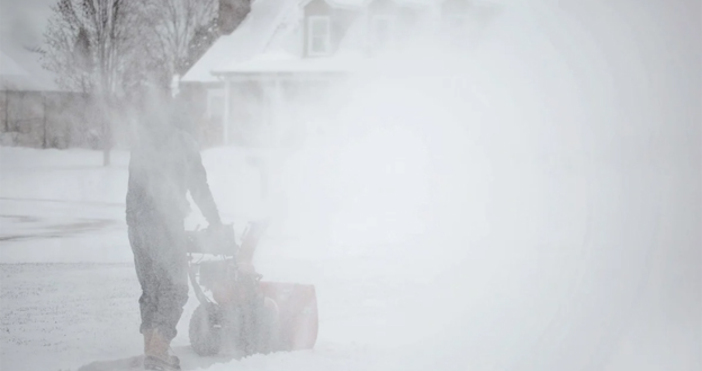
(318, 35)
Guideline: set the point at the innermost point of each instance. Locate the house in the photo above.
(34, 112)
(267, 80)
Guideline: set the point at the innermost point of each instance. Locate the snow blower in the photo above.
(244, 314)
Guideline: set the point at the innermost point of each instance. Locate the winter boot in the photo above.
(156, 353)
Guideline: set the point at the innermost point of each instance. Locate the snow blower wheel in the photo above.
(205, 330)
(266, 339)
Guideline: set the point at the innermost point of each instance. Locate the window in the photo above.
(318, 35)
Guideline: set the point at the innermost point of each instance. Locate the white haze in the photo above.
(531, 205)
(523, 205)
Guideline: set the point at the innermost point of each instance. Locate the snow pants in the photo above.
(161, 266)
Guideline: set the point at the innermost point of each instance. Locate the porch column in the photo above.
(276, 109)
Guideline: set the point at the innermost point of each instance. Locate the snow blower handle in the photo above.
(216, 240)
(250, 239)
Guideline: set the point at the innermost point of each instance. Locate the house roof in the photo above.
(258, 45)
(277, 62)
(364, 3)
(248, 40)
(341, 3)
(15, 76)
(21, 29)
(8, 66)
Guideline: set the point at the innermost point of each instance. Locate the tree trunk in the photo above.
(106, 132)
(43, 102)
(106, 156)
(106, 144)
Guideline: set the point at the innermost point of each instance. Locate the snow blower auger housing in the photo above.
(244, 315)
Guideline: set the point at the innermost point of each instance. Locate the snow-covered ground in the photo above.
(571, 268)
(535, 209)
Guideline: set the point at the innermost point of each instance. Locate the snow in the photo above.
(10, 67)
(12, 76)
(284, 63)
(21, 29)
(566, 257)
(249, 39)
(536, 209)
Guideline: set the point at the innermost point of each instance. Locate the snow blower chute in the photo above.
(244, 314)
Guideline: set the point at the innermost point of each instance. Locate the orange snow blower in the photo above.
(245, 315)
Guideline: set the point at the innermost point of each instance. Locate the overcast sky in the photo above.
(22, 24)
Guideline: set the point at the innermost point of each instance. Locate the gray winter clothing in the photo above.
(164, 165)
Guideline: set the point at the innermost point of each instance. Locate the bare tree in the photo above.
(88, 45)
(175, 23)
(182, 30)
(108, 47)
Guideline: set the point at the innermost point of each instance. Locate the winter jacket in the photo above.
(163, 167)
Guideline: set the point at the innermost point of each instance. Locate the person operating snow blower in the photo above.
(165, 164)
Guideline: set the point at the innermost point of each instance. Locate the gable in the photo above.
(325, 26)
(317, 7)
(277, 32)
(249, 39)
(16, 76)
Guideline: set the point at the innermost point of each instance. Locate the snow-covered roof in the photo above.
(22, 24)
(341, 3)
(9, 67)
(247, 41)
(277, 62)
(262, 45)
(363, 3)
(265, 40)
(14, 76)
